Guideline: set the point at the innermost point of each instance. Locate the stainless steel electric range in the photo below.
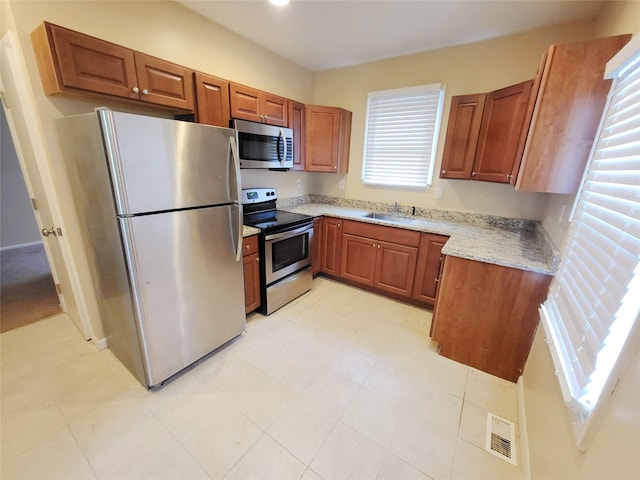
(285, 242)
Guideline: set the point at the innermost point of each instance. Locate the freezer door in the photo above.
(187, 286)
(158, 164)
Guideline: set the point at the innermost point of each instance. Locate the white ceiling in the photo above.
(324, 34)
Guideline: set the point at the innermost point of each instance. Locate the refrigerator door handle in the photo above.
(238, 188)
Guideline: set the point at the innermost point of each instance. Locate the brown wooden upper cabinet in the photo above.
(328, 139)
(568, 97)
(297, 123)
(74, 63)
(483, 134)
(465, 117)
(535, 135)
(257, 106)
(212, 100)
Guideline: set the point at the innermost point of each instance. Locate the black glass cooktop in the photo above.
(274, 220)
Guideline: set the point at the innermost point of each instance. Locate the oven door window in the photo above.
(289, 251)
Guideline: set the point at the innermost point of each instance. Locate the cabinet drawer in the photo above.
(250, 245)
(387, 234)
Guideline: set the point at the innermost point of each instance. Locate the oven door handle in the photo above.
(288, 233)
(238, 188)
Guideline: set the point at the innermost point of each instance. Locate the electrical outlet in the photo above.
(299, 184)
(438, 193)
(341, 184)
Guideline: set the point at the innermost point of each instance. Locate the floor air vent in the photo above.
(501, 439)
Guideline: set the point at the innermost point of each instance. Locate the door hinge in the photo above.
(58, 289)
(34, 204)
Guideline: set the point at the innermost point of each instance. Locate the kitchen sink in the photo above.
(388, 217)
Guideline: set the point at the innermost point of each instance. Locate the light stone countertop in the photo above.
(248, 231)
(527, 248)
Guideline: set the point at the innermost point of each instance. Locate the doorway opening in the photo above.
(27, 289)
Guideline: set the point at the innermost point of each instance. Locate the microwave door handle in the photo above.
(236, 197)
(284, 145)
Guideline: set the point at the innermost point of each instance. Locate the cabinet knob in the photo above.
(378, 245)
(509, 176)
(473, 174)
(145, 92)
(444, 172)
(374, 245)
(135, 89)
(257, 259)
(437, 279)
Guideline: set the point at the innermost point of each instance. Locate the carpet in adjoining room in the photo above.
(27, 290)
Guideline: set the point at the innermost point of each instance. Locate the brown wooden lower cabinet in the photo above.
(428, 267)
(487, 315)
(316, 252)
(251, 267)
(331, 242)
(380, 257)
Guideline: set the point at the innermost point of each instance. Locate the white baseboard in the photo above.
(525, 460)
(20, 245)
(100, 343)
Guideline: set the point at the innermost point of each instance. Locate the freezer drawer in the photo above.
(187, 287)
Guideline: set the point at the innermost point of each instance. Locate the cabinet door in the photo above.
(86, 63)
(274, 109)
(331, 236)
(428, 267)
(328, 139)
(164, 83)
(251, 266)
(502, 123)
(465, 118)
(358, 259)
(318, 242)
(245, 102)
(212, 97)
(297, 123)
(395, 268)
(566, 115)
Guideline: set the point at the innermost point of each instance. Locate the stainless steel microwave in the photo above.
(263, 146)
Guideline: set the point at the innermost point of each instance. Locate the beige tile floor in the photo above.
(340, 384)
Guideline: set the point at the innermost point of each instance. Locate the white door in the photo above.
(23, 123)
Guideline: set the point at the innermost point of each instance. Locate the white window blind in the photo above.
(594, 300)
(401, 136)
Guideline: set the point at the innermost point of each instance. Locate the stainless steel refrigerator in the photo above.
(161, 222)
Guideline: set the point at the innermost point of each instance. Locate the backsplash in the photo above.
(477, 219)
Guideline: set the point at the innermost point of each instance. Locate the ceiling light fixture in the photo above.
(279, 3)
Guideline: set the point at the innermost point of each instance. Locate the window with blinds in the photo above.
(594, 301)
(401, 136)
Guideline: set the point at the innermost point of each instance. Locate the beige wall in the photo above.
(471, 68)
(614, 452)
